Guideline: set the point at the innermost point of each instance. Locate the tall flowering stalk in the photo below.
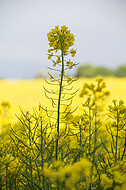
(60, 41)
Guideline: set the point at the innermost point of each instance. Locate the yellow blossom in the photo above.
(61, 35)
(73, 52)
(58, 60)
(105, 181)
(61, 74)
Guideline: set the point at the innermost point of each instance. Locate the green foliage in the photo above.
(121, 71)
(92, 71)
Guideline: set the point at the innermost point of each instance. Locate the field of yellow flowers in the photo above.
(63, 133)
(27, 96)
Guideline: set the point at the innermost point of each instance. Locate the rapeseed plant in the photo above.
(60, 41)
(58, 148)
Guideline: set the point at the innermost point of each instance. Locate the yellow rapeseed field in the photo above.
(28, 94)
(63, 134)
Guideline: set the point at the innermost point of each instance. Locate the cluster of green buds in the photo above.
(117, 106)
(118, 114)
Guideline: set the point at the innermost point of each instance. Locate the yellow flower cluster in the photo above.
(69, 175)
(54, 37)
(61, 39)
(95, 95)
(117, 106)
(73, 52)
(70, 64)
(118, 112)
(105, 181)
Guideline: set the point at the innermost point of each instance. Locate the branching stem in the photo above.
(59, 99)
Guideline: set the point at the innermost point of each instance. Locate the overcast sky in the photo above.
(98, 25)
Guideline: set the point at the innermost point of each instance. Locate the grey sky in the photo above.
(99, 27)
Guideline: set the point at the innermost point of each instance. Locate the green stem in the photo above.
(117, 137)
(124, 150)
(0, 182)
(80, 141)
(6, 176)
(42, 158)
(95, 129)
(59, 99)
(80, 136)
(30, 160)
(15, 183)
(89, 133)
(95, 138)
